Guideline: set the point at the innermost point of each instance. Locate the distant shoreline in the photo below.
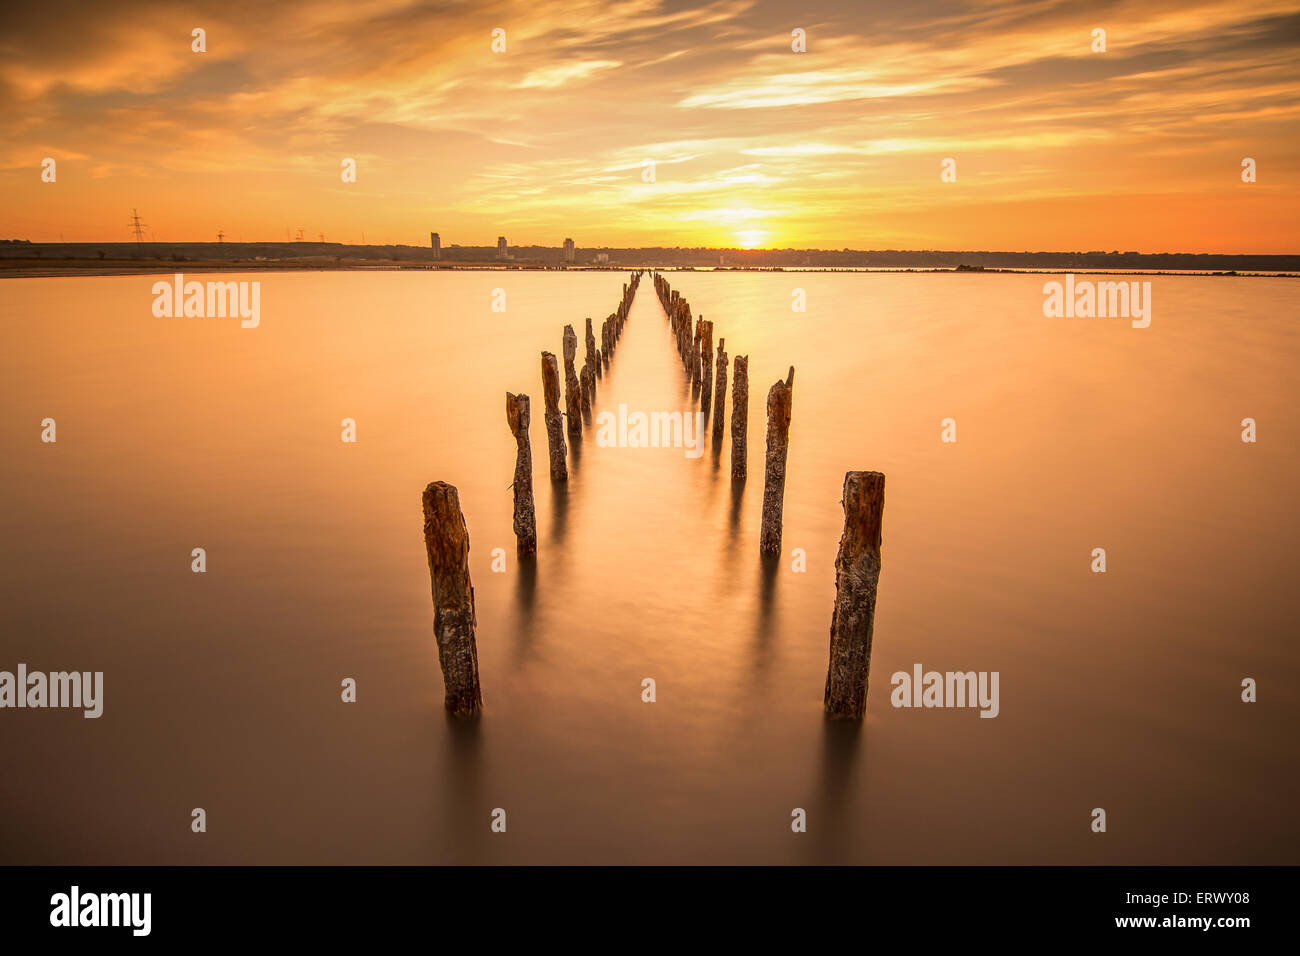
(50, 269)
(19, 257)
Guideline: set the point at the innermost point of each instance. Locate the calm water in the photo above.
(1118, 690)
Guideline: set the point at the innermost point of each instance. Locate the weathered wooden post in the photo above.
(587, 383)
(740, 419)
(680, 321)
(518, 416)
(687, 332)
(572, 390)
(694, 361)
(720, 390)
(778, 443)
(591, 349)
(554, 428)
(447, 541)
(692, 347)
(857, 572)
(706, 368)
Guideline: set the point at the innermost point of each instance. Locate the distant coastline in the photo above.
(24, 259)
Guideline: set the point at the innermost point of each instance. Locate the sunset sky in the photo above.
(1057, 147)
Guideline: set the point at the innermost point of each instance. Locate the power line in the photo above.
(137, 226)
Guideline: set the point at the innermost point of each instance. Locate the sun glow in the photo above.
(751, 238)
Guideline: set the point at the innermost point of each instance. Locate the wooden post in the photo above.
(682, 318)
(687, 336)
(572, 390)
(587, 383)
(778, 443)
(554, 420)
(693, 363)
(591, 350)
(740, 418)
(690, 347)
(518, 416)
(720, 390)
(447, 541)
(706, 367)
(857, 572)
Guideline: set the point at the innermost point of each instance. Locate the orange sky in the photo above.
(1057, 147)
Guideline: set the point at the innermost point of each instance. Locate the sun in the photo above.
(750, 238)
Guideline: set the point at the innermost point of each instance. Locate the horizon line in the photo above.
(10, 242)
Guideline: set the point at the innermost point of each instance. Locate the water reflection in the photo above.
(737, 495)
(526, 584)
(559, 510)
(647, 568)
(575, 452)
(525, 618)
(769, 564)
(834, 828)
(465, 800)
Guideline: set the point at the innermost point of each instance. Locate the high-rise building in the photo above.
(501, 248)
(570, 254)
(436, 241)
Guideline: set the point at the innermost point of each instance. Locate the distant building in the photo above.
(570, 253)
(602, 259)
(501, 248)
(436, 241)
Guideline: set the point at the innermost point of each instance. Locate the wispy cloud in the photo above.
(550, 137)
(565, 74)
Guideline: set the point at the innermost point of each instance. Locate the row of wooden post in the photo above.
(579, 387)
(695, 345)
(446, 537)
(857, 563)
(857, 576)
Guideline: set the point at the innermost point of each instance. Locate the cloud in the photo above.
(556, 129)
(565, 74)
